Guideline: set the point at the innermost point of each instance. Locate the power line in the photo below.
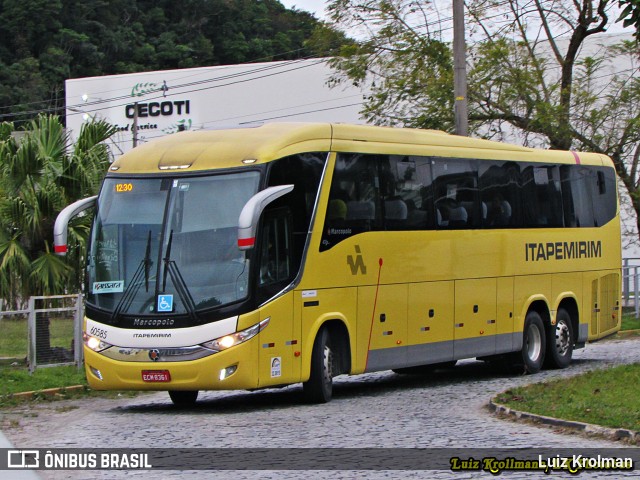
(227, 119)
(248, 122)
(265, 68)
(209, 87)
(120, 97)
(248, 62)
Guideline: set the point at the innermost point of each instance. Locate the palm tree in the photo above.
(40, 174)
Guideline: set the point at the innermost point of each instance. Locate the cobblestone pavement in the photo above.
(446, 409)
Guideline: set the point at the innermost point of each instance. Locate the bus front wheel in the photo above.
(183, 398)
(319, 387)
(560, 341)
(533, 343)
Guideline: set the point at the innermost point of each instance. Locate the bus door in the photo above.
(475, 318)
(382, 316)
(278, 363)
(430, 323)
(505, 315)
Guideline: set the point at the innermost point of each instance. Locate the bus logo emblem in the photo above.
(357, 264)
(154, 355)
(165, 303)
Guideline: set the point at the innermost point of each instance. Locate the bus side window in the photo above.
(404, 182)
(499, 185)
(456, 193)
(604, 197)
(275, 252)
(576, 196)
(304, 172)
(354, 204)
(541, 196)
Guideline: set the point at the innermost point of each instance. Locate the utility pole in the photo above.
(135, 125)
(461, 109)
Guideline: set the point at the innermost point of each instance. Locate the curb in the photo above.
(587, 428)
(627, 333)
(48, 391)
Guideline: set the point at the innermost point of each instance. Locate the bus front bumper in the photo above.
(226, 370)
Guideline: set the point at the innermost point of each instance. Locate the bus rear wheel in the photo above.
(183, 398)
(560, 341)
(533, 343)
(319, 387)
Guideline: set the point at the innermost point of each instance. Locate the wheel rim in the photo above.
(534, 343)
(563, 338)
(327, 372)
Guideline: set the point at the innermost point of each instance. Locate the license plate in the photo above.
(156, 376)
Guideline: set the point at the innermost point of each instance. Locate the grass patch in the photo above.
(13, 339)
(630, 322)
(16, 380)
(602, 397)
(9, 402)
(14, 335)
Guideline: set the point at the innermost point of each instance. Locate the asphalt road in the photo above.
(382, 410)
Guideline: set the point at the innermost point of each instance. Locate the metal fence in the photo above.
(631, 284)
(48, 333)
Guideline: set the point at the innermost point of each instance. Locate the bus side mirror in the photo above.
(250, 214)
(61, 226)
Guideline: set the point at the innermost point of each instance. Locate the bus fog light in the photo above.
(96, 373)
(227, 372)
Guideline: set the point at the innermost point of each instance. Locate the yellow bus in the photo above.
(296, 252)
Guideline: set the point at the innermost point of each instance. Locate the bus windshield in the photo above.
(169, 245)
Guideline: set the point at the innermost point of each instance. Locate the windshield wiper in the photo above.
(134, 285)
(167, 259)
(147, 263)
(171, 268)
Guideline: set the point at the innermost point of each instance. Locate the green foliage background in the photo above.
(45, 42)
(40, 174)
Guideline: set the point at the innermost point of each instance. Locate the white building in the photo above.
(210, 97)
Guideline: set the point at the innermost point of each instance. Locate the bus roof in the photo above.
(213, 149)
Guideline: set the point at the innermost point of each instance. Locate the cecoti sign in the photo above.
(157, 109)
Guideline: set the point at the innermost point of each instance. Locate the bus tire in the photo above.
(533, 343)
(560, 341)
(319, 387)
(183, 398)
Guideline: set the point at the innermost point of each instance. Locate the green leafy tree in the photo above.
(47, 42)
(40, 174)
(532, 75)
(630, 16)
(408, 70)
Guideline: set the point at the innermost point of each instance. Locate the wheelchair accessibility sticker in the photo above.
(165, 303)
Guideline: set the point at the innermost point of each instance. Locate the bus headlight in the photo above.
(237, 338)
(94, 343)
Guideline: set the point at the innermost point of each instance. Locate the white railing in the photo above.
(53, 328)
(631, 284)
